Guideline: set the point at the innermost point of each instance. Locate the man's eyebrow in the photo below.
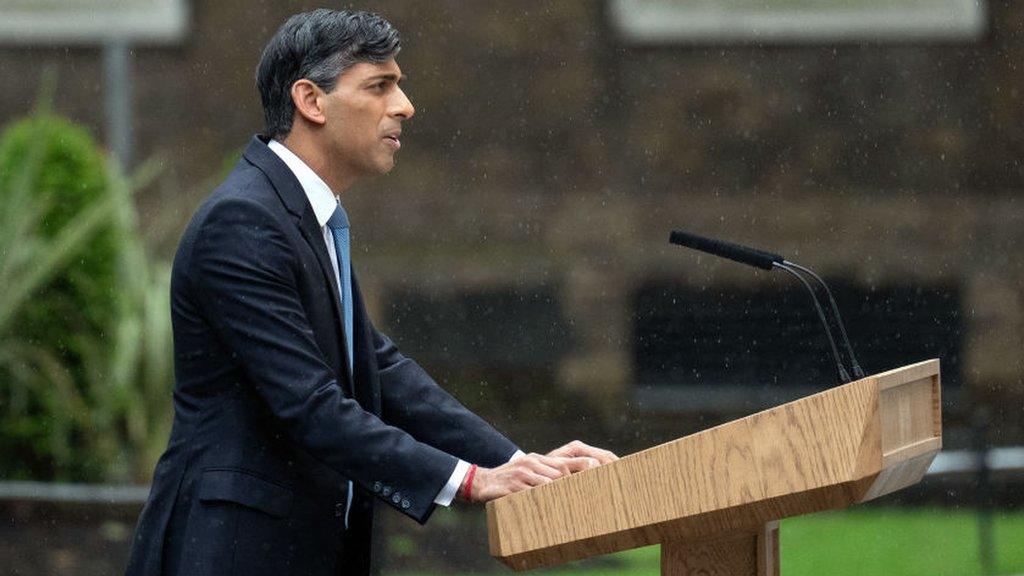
(387, 76)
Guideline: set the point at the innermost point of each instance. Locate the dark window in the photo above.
(764, 343)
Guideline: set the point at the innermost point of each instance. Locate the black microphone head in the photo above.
(735, 252)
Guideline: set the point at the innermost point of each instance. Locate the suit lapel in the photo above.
(313, 235)
(368, 391)
(295, 201)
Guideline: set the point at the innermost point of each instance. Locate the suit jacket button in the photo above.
(406, 504)
(377, 486)
(339, 510)
(396, 498)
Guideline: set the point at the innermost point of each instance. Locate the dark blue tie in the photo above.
(340, 230)
(338, 224)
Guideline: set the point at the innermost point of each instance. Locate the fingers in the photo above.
(552, 468)
(576, 449)
(491, 483)
(526, 472)
(572, 449)
(532, 470)
(564, 465)
(536, 469)
(601, 455)
(530, 479)
(581, 463)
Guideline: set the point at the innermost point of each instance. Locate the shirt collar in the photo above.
(323, 201)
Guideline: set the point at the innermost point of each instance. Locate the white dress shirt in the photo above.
(324, 203)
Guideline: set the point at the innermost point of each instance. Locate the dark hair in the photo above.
(318, 46)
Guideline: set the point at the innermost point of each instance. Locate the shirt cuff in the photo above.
(447, 494)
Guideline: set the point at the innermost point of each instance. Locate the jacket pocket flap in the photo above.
(245, 489)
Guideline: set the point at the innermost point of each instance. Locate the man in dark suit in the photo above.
(293, 413)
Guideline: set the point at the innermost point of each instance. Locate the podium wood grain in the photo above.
(736, 554)
(831, 450)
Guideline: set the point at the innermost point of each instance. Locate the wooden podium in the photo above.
(713, 499)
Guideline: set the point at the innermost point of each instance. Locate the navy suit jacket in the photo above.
(268, 425)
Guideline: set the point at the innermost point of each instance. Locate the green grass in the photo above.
(867, 541)
(907, 542)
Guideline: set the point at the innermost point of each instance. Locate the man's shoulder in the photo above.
(245, 182)
(246, 194)
(245, 188)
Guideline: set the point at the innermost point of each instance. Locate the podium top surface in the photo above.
(830, 450)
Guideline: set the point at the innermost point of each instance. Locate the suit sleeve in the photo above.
(414, 402)
(241, 264)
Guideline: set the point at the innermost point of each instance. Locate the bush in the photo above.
(72, 174)
(84, 326)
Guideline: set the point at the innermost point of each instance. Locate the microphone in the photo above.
(735, 252)
(769, 261)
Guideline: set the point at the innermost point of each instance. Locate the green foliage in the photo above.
(85, 368)
(139, 367)
(50, 171)
(71, 175)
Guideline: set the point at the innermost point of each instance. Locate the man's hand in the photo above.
(577, 449)
(534, 470)
(521, 473)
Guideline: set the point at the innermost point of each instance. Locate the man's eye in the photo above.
(380, 86)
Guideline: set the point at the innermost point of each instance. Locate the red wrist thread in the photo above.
(467, 490)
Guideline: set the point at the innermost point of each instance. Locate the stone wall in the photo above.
(549, 156)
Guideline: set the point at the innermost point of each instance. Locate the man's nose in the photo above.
(401, 106)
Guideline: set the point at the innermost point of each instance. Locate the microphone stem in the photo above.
(857, 371)
(844, 377)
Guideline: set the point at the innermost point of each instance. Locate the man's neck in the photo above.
(316, 159)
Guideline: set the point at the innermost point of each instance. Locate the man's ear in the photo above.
(307, 97)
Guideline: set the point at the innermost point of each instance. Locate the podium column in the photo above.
(738, 555)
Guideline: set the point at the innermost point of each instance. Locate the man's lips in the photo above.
(393, 141)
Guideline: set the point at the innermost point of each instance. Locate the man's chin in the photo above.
(385, 167)
(377, 171)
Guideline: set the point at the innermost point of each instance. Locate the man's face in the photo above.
(364, 115)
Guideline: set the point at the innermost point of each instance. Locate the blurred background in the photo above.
(519, 248)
